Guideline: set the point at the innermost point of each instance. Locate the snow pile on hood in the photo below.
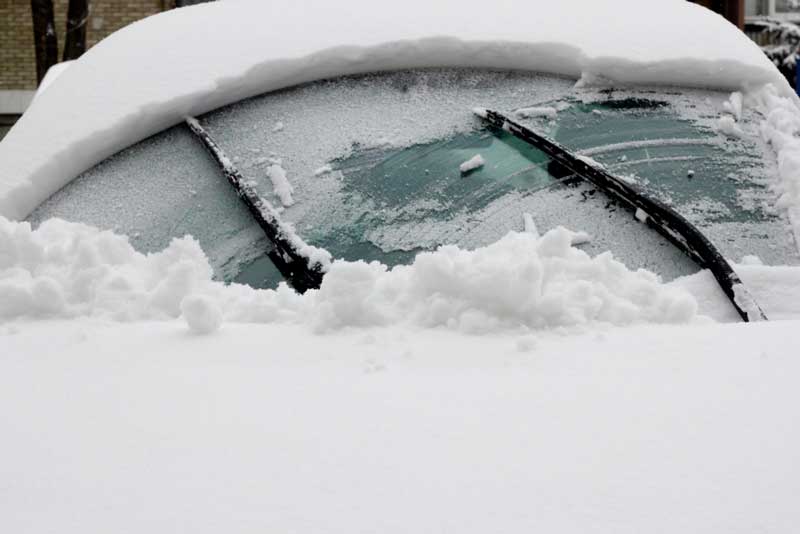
(66, 269)
(520, 280)
(153, 73)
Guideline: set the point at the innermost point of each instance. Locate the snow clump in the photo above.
(475, 162)
(734, 105)
(537, 112)
(727, 125)
(67, 269)
(280, 184)
(202, 314)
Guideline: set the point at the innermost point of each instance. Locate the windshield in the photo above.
(368, 168)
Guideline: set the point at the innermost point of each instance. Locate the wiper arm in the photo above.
(287, 255)
(666, 221)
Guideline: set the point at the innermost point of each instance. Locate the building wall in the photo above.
(17, 55)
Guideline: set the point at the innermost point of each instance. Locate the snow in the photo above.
(645, 143)
(781, 129)
(727, 125)
(534, 112)
(50, 76)
(529, 224)
(734, 105)
(169, 69)
(475, 162)
(594, 399)
(143, 427)
(590, 161)
(280, 184)
(202, 314)
(67, 270)
(325, 169)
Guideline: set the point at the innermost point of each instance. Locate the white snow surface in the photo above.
(154, 73)
(144, 427)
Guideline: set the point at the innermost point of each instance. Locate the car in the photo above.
(366, 167)
(421, 266)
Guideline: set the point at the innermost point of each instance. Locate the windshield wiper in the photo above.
(297, 268)
(666, 221)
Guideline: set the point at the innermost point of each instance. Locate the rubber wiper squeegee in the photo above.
(286, 252)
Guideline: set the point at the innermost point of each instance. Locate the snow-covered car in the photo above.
(508, 231)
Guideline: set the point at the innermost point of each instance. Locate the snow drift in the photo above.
(153, 73)
(67, 269)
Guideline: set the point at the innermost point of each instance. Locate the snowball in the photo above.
(202, 314)
(476, 162)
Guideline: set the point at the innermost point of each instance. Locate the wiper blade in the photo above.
(286, 253)
(665, 220)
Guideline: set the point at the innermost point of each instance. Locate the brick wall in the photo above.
(17, 55)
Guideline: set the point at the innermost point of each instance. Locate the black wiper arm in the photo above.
(666, 221)
(286, 253)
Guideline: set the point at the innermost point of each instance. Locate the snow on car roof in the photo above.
(155, 72)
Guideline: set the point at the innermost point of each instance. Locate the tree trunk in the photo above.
(44, 35)
(75, 40)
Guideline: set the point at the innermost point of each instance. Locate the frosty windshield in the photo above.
(369, 167)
